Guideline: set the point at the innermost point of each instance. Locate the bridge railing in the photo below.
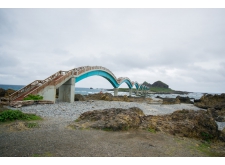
(20, 92)
(48, 81)
(80, 70)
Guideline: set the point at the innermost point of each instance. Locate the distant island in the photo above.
(156, 87)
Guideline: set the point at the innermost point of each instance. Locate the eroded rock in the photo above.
(171, 101)
(185, 100)
(79, 97)
(215, 105)
(110, 119)
(218, 115)
(186, 123)
(211, 101)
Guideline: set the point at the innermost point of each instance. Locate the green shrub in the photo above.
(16, 115)
(151, 130)
(33, 97)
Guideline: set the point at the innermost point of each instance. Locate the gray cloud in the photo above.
(182, 47)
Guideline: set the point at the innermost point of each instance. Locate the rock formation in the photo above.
(215, 105)
(79, 97)
(160, 84)
(186, 123)
(211, 101)
(176, 100)
(6, 93)
(110, 119)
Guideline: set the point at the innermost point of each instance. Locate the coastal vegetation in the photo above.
(10, 115)
(33, 97)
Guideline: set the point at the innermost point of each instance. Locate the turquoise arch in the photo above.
(136, 85)
(105, 75)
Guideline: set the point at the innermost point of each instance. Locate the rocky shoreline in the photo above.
(106, 112)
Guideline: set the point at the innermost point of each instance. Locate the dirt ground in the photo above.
(53, 138)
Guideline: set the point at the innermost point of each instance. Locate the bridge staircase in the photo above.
(38, 85)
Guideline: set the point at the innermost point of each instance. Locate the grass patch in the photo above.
(205, 136)
(11, 115)
(33, 97)
(46, 154)
(152, 130)
(107, 129)
(32, 125)
(205, 147)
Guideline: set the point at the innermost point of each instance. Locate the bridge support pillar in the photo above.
(130, 92)
(136, 92)
(48, 93)
(66, 91)
(115, 91)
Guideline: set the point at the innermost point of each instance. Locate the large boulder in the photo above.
(215, 105)
(171, 101)
(2, 92)
(95, 96)
(110, 119)
(79, 97)
(211, 101)
(222, 135)
(6, 93)
(185, 100)
(218, 115)
(100, 96)
(107, 97)
(187, 123)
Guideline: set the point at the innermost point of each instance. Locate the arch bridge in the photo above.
(65, 81)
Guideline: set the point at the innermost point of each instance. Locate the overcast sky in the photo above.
(185, 48)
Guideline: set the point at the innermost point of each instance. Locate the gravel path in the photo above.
(71, 111)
